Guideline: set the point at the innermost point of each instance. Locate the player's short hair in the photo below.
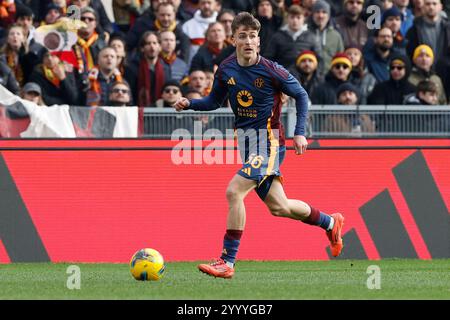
(247, 20)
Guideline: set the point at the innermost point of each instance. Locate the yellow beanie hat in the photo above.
(423, 48)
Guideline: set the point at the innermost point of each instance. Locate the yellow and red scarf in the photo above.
(159, 27)
(14, 65)
(95, 91)
(50, 76)
(169, 59)
(86, 48)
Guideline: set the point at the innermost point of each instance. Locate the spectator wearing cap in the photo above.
(397, 87)
(7, 78)
(24, 18)
(57, 82)
(360, 75)
(407, 15)
(32, 92)
(305, 71)
(89, 41)
(171, 92)
(119, 94)
(35, 51)
(392, 19)
(336, 7)
(348, 94)
(352, 28)
(270, 22)
(341, 67)
(430, 29)
(293, 38)
(103, 25)
(378, 53)
(52, 14)
(423, 59)
(211, 49)
(328, 38)
(165, 20)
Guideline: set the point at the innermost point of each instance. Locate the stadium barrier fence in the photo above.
(324, 121)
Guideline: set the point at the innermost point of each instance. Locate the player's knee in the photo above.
(280, 210)
(232, 194)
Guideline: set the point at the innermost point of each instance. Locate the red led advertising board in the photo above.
(101, 200)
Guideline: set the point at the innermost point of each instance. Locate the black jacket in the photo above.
(327, 90)
(51, 94)
(414, 39)
(7, 78)
(204, 59)
(132, 75)
(311, 85)
(392, 91)
(268, 28)
(284, 50)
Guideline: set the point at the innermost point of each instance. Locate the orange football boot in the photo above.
(334, 235)
(218, 268)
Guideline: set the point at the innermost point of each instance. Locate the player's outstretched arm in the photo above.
(181, 104)
(300, 144)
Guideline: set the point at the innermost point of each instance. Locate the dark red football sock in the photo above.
(233, 234)
(313, 218)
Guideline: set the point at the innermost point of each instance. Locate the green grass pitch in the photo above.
(338, 279)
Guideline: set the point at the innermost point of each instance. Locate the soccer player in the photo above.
(254, 86)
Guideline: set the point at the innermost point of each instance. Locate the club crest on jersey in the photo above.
(259, 83)
(245, 98)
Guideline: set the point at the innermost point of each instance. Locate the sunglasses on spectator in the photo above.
(397, 67)
(341, 66)
(171, 90)
(118, 90)
(88, 19)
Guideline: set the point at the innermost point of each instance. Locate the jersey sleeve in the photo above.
(290, 86)
(216, 97)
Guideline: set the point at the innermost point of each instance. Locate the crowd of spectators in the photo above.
(148, 52)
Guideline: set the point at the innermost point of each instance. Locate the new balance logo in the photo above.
(231, 82)
(246, 171)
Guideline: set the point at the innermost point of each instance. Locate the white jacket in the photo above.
(195, 29)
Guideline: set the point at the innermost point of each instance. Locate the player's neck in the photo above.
(244, 62)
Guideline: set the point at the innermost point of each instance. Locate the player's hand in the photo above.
(300, 144)
(181, 104)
